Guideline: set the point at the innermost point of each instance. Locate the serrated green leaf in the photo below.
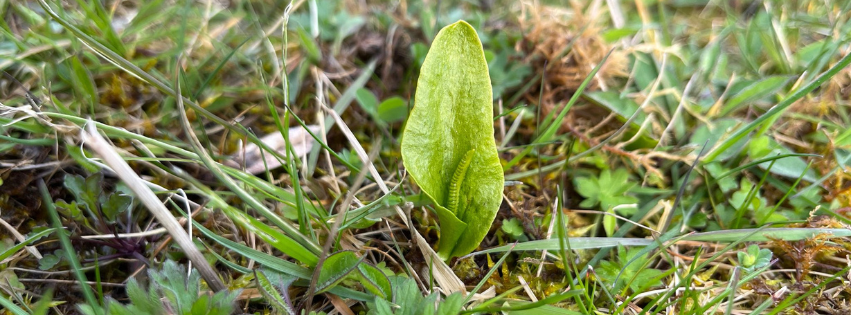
(453, 115)
(610, 189)
(273, 296)
(145, 301)
(180, 290)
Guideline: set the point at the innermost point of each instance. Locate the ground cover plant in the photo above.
(263, 157)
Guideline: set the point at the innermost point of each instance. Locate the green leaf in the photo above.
(408, 300)
(50, 260)
(310, 46)
(451, 304)
(609, 223)
(505, 73)
(754, 91)
(453, 116)
(276, 299)
(738, 235)
(759, 147)
(754, 258)
(623, 106)
(336, 268)
(513, 228)
(80, 187)
(367, 101)
(725, 183)
(148, 302)
(612, 35)
(180, 290)
(610, 189)
(375, 281)
(634, 275)
(114, 205)
(790, 167)
(30, 239)
(76, 153)
(84, 84)
(70, 210)
(719, 133)
(393, 110)
(171, 291)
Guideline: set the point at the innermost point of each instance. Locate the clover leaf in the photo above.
(754, 258)
(609, 190)
(629, 274)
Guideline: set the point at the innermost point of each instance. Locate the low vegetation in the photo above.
(653, 157)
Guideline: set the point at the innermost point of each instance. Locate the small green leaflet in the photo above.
(448, 145)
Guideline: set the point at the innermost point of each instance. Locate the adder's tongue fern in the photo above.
(450, 131)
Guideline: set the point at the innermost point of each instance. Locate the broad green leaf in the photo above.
(453, 118)
(789, 167)
(48, 261)
(375, 281)
(719, 133)
(336, 268)
(393, 110)
(115, 204)
(367, 101)
(623, 106)
(754, 91)
(80, 187)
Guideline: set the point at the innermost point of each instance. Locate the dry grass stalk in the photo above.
(99, 145)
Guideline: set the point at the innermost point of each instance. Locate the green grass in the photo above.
(597, 108)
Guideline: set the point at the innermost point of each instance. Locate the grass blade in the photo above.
(779, 108)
